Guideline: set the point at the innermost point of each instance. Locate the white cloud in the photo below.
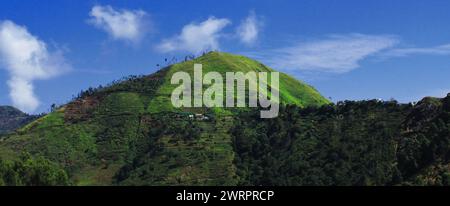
(26, 58)
(128, 25)
(403, 52)
(21, 92)
(196, 37)
(337, 54)
(249, 29)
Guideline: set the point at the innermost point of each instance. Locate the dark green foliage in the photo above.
(28, 171)
(426, 140)
(351, 143)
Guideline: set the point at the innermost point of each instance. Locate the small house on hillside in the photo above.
(201, 117)
(192, 116)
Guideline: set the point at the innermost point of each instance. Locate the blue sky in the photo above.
(346, 49)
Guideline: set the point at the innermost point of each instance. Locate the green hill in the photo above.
(95, 137)
(292, 91)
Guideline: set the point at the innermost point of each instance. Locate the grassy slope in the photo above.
(292, 91)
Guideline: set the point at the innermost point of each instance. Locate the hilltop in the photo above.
(292, 91)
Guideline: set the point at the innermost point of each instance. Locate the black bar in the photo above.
(254, 195)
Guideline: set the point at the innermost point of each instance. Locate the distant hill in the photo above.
(12, 118)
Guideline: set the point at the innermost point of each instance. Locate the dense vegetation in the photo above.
(29, 171)
(351, 143)
(178, 151)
